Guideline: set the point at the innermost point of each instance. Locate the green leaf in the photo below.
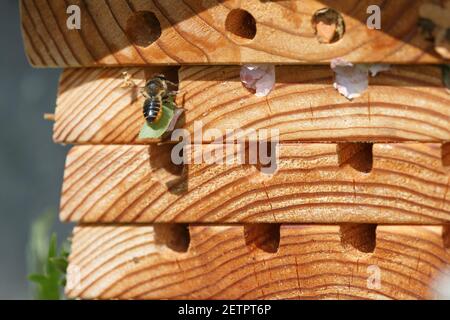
(49, 276)
(60, 263)
(38, 242)
(37, 278)
(52, 252)
(53, 247)
(156, 130)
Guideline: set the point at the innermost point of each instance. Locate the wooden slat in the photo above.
(314, 183)
(312, 262)
(192, 31)
(403, 104)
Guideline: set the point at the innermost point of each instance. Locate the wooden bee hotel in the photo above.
(254, 149)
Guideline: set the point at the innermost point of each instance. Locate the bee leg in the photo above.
(168, 100)
(171, 83)
(172, 93)
(144, 93)
(169, 97)
(163, 77)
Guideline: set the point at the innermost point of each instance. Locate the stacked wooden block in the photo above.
(359, 206)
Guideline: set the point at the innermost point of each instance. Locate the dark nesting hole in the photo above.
(241, 24)
(161, 158)
(175, 236)
(143, 28)
(361, 237)
(169, 72)
(446, 235)
(445, 154)
(426, 27)
(446, 73)
(358, 155)
(264, 236)
(328, 25)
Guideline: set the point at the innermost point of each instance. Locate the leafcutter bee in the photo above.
(156, 93)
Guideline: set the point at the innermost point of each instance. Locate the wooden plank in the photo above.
(314, 183)
(310, 262)
(403, 104)
(140, 32)
(93, 108)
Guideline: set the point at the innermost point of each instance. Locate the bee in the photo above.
(157, 93)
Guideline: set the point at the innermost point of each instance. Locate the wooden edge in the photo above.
(226, 32)
(248, 262)
(298, 183)
(402, 104)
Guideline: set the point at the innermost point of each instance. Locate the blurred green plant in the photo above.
(47, 264)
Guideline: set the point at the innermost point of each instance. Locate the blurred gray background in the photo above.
(31, 166)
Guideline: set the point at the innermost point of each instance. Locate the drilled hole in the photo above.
(361, 237)
(446, 235)
(160, 157)
(175, 236)
(357, 155)
(328, 25)
(169, 72)
(143, 28)
(241, 25)
(264, 236)
(445, 154)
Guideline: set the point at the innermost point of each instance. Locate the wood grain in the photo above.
(314, 183)
(311, 262)
(191, 31)
(403, 104)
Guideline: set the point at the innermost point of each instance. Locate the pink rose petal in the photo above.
(374, 69)
(351, 80)
(260, 78)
